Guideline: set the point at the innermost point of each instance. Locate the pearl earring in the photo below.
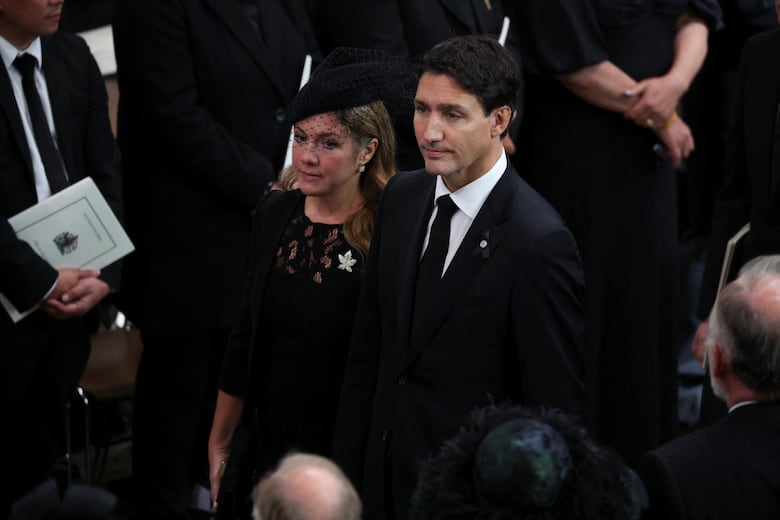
(362, 168)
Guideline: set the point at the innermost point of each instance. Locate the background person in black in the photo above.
(603, 82)
(730, 469)
(750, 188)
(204, 85)
(308, 253)
(43, 355)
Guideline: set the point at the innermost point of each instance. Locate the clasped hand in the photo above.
(76, 292)
(656, 101)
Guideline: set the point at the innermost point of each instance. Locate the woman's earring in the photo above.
(362, 168)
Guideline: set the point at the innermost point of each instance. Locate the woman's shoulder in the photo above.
(276, 199)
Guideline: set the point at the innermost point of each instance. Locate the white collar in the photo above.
(9, 52)
(470, 198)
(741, 404)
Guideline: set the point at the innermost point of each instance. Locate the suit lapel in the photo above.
(481, 241)
(56, 81)
(8, 104)
(231, 14)
(415, 226)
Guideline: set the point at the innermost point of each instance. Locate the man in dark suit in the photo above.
(492, 311)
(54, 131)
(730, 469)
(203, 90)
(751, 185)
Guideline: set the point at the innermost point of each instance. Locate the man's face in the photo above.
(21, 21)
(457, 140)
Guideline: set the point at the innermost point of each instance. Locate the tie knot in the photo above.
(25, 63)
(446, 207)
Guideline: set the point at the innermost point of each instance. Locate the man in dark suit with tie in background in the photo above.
(204, 85)
(54, 131)
(730, 469)
(473, 289)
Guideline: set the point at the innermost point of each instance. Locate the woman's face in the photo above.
(325, 157)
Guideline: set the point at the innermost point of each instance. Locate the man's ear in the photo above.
(502, 116)
(718, 359)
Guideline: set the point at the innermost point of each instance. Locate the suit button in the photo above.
(384, 435)
(280, 115)
(403, 380)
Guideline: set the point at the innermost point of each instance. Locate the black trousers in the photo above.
(41, 361)
(176, 390)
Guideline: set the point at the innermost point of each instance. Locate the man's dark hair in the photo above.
(481, 66)
(593, 482)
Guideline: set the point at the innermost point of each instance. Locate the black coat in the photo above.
(725, 471)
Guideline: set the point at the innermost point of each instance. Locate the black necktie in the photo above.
(429, 272)
(52, 162)
(432, 264)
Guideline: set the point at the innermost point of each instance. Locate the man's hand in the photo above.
(79, 299)
(68, 278)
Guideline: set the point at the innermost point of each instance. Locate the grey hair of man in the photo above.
(745, 322)
(306, 487)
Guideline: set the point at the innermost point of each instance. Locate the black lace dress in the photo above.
(310, 301)
(298, 358)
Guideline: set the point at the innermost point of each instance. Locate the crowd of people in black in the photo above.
(458, 236)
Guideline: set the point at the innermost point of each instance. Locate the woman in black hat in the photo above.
(282, 370)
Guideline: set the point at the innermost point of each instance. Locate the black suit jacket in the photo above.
(725, 471)
(80, 110)
(202, 100)
(505, 324)
(404, 27)
(750, 190)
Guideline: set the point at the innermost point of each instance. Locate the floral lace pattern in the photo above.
(316, 250)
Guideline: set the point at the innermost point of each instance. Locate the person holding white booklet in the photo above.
(54, 131)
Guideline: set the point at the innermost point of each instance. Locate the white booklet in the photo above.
(73, 228)
(728, 256)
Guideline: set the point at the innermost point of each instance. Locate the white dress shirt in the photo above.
(469, 199)
(9, 53)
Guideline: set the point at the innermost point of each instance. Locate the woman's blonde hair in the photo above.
(367, 122)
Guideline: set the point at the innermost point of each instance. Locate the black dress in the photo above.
(600, 171)
(297, 360)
